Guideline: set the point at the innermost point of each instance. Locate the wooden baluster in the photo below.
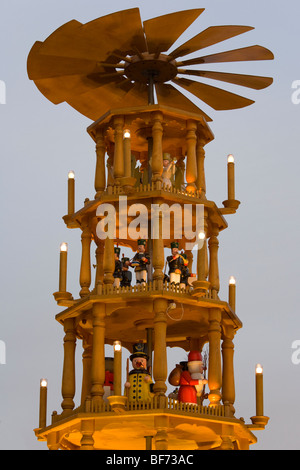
(119, 150)
(157, 152)
(85, 268)
(100, 178)
(99, 263)
(228, 386)
(200, 182)
(213, 264)
(160, 370)
(215, 369)
(86, 368)
(191, 161)
(108, 262)
(98, 355)
(68, 378)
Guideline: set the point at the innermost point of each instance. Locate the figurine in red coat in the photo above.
(192, 380)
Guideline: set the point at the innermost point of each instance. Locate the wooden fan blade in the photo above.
(99, 101)
(214, 97)
(167, 95)
(250, 81)
(163, 31)
(120, 33)
(60, 89)
(41, 66)
(210, 36)
(236, 55)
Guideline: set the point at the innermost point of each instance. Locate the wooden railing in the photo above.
(150, 287)
(115, 190)
(158, 403)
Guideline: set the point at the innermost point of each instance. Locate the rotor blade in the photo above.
(167, 95)
(214, 97)
(163, 31)
(41, 66)
(208, 37)
(119, 33)
(250, 81)
(99, 101)
(59, 89)
(236, 55)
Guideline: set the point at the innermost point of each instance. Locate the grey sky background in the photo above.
(41, 142)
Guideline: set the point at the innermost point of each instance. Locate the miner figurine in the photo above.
(168, 170)
(140, 262)
(185, 273)
(126, 274)
(139, 382)
(118, 268)
(177, 264)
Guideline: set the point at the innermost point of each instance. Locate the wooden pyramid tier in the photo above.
(155, 239)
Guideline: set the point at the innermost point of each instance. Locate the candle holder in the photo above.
(118, 403)
(259, 421)
(232, 293)
(43, 403)
(231, 204)
(62, 294)
(71, 192)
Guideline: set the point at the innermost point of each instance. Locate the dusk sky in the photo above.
(41, 143)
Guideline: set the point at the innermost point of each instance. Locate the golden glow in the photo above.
(117, 346)
(43, 383)
(259, 369)
(64, 247)
(71, 175)
(201, 236)
(232, 281)
(126, 134)
(230, 159)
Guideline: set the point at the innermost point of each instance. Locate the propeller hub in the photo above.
(157, 66)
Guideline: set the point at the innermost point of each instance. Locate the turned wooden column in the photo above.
(85, 268)
(99, 263)
(87, 431)
(215, 367)
(86, 368)
(119, 150)
(200, 155)
(110, 167)
(179, 174)
(190, 258)
(160, 368)
(68, 378)
(213, 262)
(100, 178)
(202, 256)
(98, 353)
(161, 423)
(127, 154)
(201, 285)
(157, 151)
(228, 385)
(191, 161)
(108, 261)
(158, 259)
